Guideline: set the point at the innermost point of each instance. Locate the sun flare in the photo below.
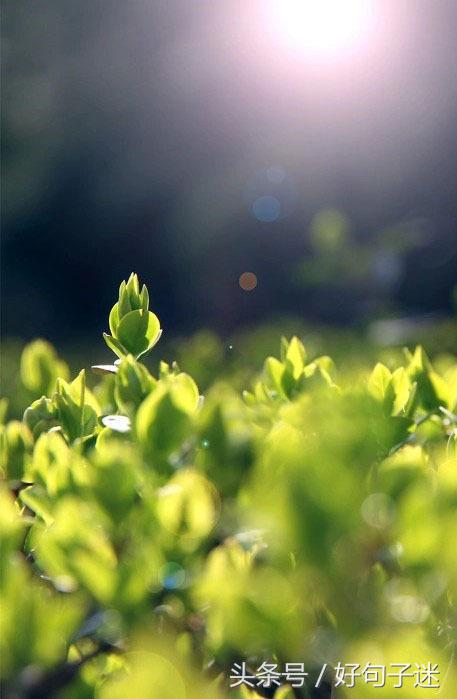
(326, 27)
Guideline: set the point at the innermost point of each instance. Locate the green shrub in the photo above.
(153, 537)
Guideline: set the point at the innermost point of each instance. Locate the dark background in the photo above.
(137, 136)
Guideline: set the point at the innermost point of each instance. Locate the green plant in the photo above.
(152, 537)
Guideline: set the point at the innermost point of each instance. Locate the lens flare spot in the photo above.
(248, 281)
(266, 209)
(172, 576)
(275, 174)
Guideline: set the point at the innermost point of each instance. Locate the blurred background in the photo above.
(311, 144)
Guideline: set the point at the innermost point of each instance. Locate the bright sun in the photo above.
(327, 27)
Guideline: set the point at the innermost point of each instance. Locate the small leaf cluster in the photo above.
(134, 328)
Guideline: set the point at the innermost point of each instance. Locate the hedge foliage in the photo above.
(152, 537)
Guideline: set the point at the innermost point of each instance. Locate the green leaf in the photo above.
(3, 410)
(55, 466)
(77, 407)
(295, 357)
(402, 386)
(132, 383)
(184, 392)
(16, 447)
(138, 331)
(114, 319)
(164, 419)
(76, 545)
(124, 300)
(115, 345)
(379, 381)
(40, 368)
(37, 500)
(188, 506)
(41, 416)
(28, 607)
(116, 475)
(144, 296)
(284, 345)
(274, 370)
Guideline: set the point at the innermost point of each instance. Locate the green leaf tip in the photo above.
(134, 328)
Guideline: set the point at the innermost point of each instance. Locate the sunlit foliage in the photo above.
(152, 536)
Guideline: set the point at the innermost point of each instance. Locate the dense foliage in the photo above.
(153, 537)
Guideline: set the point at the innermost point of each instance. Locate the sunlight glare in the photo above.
(326, 27)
